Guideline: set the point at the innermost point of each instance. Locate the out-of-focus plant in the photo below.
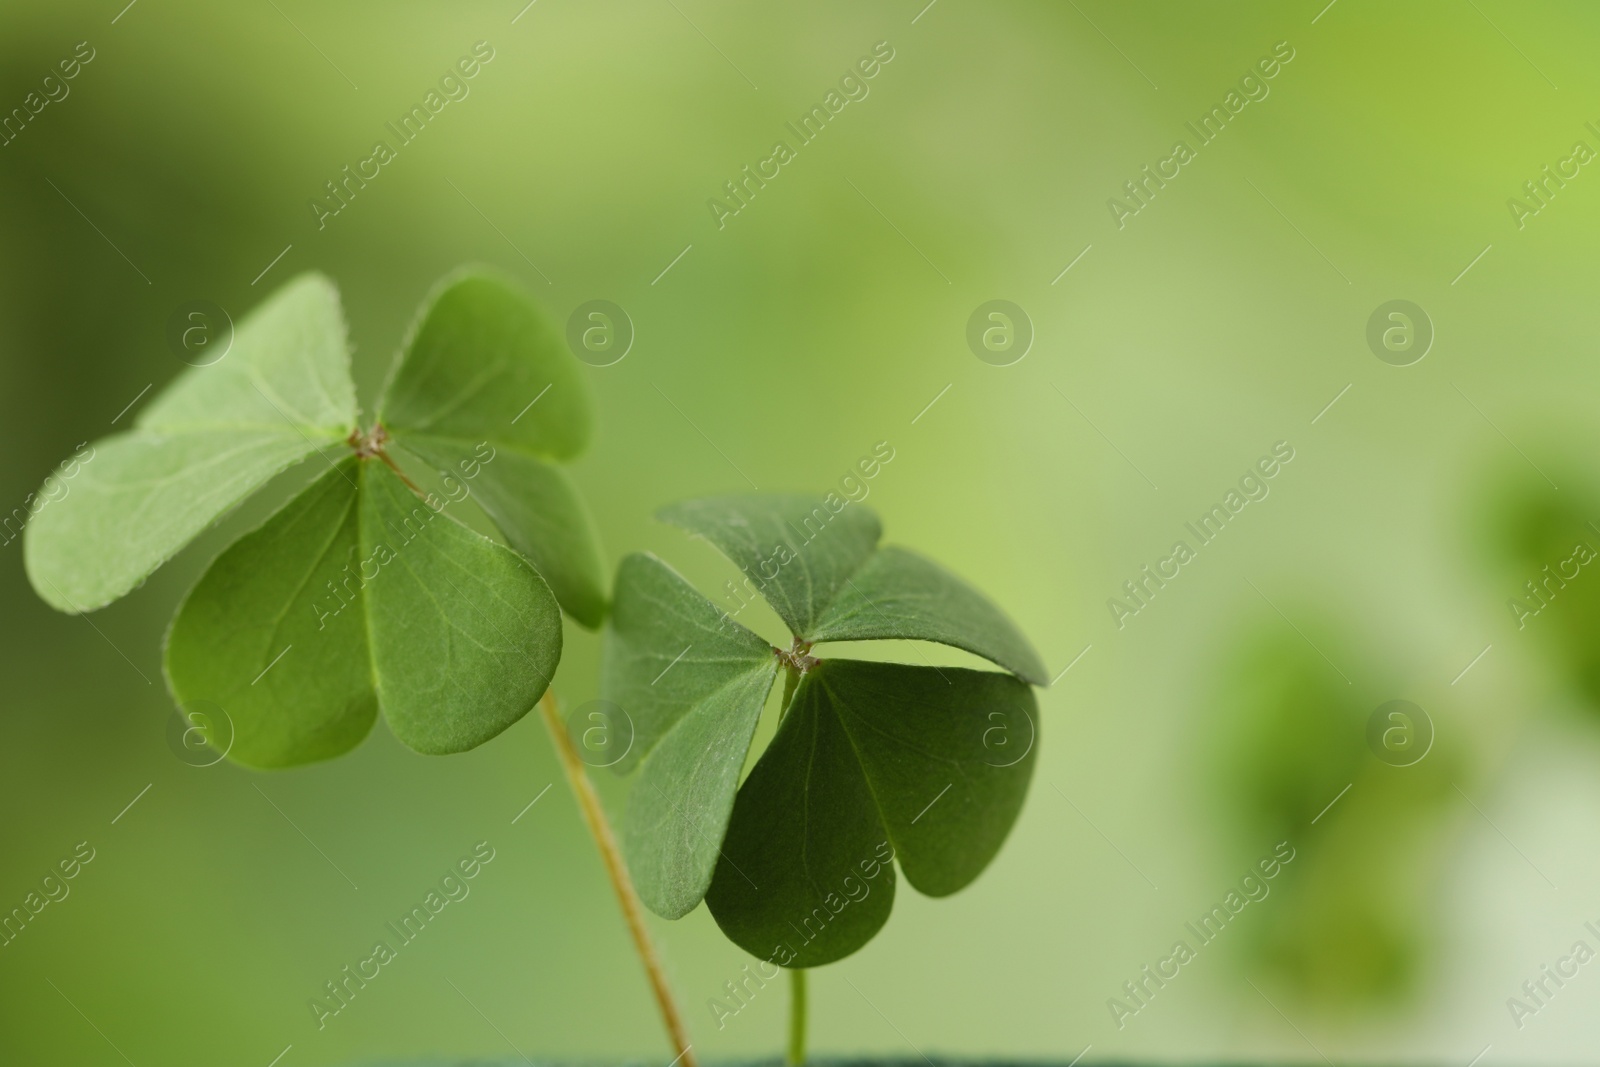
(1299, 758)
(1544, 550)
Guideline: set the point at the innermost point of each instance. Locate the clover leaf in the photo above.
(216, 435)
(362, 593)
(871, 761)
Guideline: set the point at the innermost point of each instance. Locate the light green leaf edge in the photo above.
(232, 426)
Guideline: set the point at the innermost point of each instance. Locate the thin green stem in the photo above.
(790, 680)
(617, 870)
(797, 1017)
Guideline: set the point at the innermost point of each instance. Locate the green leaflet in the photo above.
(481, 364)
(693, 683)
(355, 595)
(796, 550)
(537, 509)
(872, 760)
(465, 635)
(898, 594)
(216, 434)
(289, 368)
(480, 375)
(283, 590)
(808, 876)
(917, 730)
(136, 502)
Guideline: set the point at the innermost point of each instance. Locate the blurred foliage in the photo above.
(1542, 546)
(1293, 763)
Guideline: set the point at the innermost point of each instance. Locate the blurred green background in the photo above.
(822, 319)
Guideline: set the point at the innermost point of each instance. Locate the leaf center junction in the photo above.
(797, 657)
(368, 444)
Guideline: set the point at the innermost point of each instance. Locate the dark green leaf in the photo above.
(275, 632)
(693, 682)
(807, 874)
(898, 594)
(537, 509)
(871, 756)
(796, 550)
(465, 635)
(479, 364)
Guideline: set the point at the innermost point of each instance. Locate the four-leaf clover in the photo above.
(871, 761)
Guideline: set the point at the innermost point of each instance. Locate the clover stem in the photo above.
(797, 1017)
(600, 829)
(790, 681)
